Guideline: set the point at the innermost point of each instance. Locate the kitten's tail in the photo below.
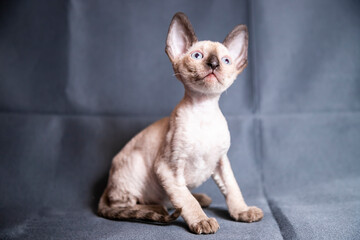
(141, 212)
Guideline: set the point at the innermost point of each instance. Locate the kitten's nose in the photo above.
(213, 62)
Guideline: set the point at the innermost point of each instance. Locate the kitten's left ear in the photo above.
(237, 42)
(181, 36)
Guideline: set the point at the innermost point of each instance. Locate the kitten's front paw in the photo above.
(252, 214)
(206, 226)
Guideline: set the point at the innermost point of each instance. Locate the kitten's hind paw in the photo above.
(203, 199)
(206, 226)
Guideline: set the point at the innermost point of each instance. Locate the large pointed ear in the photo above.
(237, 42)
(181, 36)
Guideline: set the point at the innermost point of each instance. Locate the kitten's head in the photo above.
(205, 67)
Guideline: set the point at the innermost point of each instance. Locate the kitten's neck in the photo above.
(201, 99)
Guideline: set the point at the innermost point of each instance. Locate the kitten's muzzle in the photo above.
(213, 62)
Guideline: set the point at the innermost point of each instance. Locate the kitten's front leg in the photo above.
(174, 184)
(238, 209)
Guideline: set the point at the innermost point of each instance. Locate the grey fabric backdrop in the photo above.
(79, 78)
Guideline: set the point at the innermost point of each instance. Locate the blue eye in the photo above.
(226, 60)
(197, 55)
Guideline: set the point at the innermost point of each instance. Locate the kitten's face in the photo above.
(207, 67)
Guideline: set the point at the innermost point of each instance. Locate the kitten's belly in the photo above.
(153, 192)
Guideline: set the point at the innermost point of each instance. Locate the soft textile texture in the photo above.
(79, 78)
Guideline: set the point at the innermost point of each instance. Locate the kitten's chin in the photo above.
(207, 85)
(211, 83)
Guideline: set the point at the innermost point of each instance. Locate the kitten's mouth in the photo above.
(212, 78)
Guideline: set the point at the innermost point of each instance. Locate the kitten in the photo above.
(177, 153)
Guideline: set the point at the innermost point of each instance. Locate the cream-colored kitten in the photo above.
(161, 163)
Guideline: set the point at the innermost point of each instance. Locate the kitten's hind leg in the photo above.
(203, 199)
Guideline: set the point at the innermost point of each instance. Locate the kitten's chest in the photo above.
(205, 139)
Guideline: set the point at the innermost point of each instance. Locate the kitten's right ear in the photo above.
(237, 41)
(181, 36)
